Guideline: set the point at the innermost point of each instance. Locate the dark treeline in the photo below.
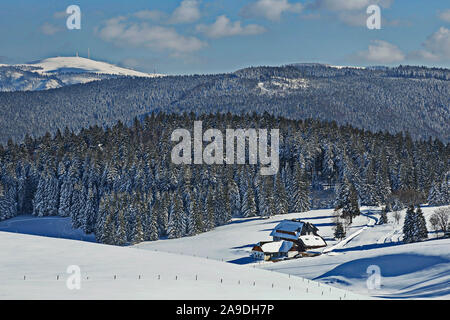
(121, 184)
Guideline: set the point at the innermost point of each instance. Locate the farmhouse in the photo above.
(303, 234)
(274, 250)
(291, 239)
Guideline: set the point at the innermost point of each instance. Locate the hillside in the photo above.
(57, 72)
(138, 274)
(418, 270)
(393, 99)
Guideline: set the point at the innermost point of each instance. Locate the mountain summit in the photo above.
(56, 72)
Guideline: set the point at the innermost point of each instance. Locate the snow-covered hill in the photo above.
(419, 270)
(59, 71)
(33, 267)
(220, 260)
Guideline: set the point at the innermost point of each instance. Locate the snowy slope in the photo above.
(420, 270)
(59, 71)
(82, 65)
(234, 241)
(55, 227)
(33, 267)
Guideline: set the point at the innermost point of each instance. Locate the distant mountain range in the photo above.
(56, 72)
(405, 98)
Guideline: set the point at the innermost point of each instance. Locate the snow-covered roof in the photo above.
(277, 246)
(313, 241)
(294, 227)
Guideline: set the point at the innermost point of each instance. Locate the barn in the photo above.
(274, 250)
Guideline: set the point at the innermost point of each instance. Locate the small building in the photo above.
(303, 234)
(274, 250)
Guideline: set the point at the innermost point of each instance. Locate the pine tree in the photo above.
(347, 201)
(299, 192)
(421, 224)
(120, 237)
(383, 216)
(269, 200)
(198, 216)
(52, 191)
(235, 199)
(8, 204)
(249, 202)
(65, 198)
(153, 228)
(163, 208)
(435, 196)
(409, 234)
(107, 235)
(39, 201)
(339, 232)
(210, 210)
(89, 215)
(138, 235)
(175, 227)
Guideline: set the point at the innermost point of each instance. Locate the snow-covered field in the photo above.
(234, 241)
(219, 259)
(33, 267)
(420, 270)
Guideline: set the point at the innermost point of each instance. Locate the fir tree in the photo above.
(175, 227)
(120, 237)
(409, 234)
(339, 232)
(280, 196)
(421, 224)
(138, 235)
(383, 216)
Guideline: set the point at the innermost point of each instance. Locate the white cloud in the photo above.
(380, 51)
(223, 27)
(445, 15)
(271, 9)
(149, 14)
(348, 5)
(353, 19)
(187, 12)
(50, 29)
(352, 12)
(123, 33)
(436, 47)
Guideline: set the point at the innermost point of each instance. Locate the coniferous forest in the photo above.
(408, 98)
(120, 183)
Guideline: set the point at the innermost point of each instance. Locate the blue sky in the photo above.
(209, 36)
